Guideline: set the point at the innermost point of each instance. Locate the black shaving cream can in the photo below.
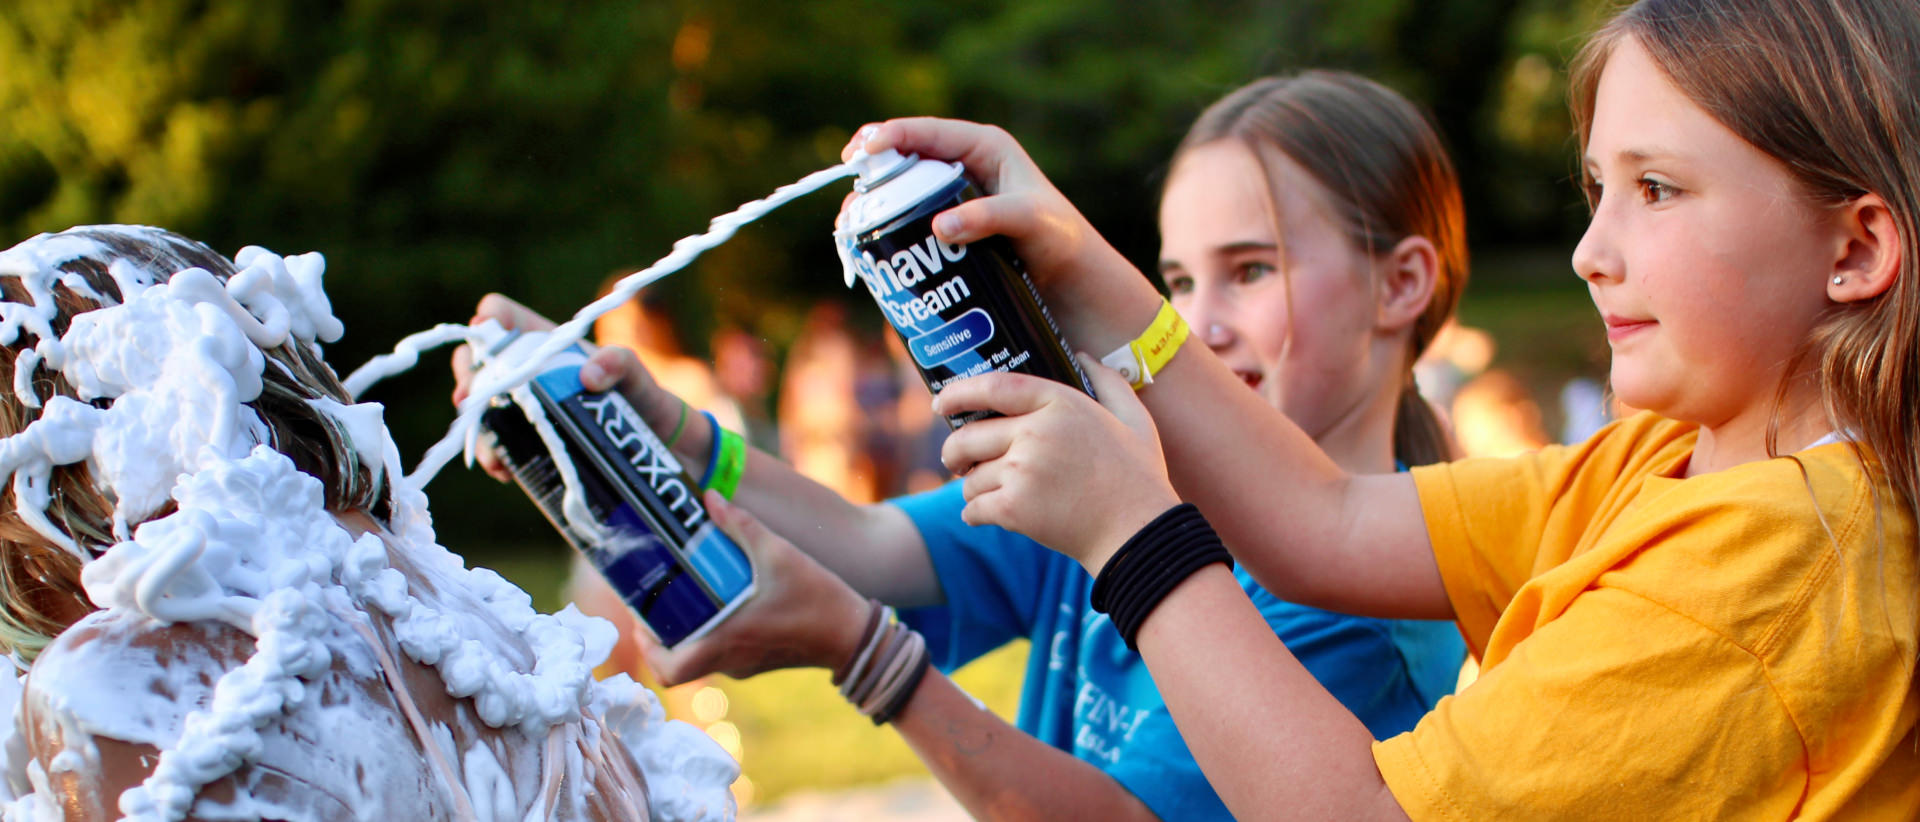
(961, 310)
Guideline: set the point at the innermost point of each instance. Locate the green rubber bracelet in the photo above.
(732, 463)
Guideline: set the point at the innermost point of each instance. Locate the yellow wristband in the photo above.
(1139, 360)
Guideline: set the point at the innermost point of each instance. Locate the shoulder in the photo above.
(929, 508)
(1579, 476)
(1796, 546)
(116, 690)
(1639, 445)
(1762, 513)
(128, 677)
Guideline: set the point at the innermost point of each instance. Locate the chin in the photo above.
(1637, 392)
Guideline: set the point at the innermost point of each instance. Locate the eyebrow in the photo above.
(1636, 155)
(1229, 249)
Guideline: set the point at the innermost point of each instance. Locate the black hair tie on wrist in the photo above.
(1154, 561)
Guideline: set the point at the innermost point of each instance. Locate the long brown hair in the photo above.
(1388, 177)
(1831, 89)
(40, 593)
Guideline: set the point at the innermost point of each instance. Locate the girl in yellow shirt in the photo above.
(1704, 612)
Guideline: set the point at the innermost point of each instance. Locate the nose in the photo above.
(1205, 315)
(1596, 259)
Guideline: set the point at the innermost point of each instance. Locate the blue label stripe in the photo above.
(963, 334)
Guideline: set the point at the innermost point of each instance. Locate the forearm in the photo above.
(875, 548)
(1295, 528)
(999, 772)
(1103, 306)
(1271, 740)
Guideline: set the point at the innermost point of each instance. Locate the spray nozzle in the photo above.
(876, 169)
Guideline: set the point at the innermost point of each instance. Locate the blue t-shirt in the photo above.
(1086, 693)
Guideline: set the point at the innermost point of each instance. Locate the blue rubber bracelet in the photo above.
(713, 450)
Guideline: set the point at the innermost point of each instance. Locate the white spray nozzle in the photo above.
(875, 169)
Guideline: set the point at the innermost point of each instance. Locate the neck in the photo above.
(358, 522)
(1361, 441)
(1743, 438)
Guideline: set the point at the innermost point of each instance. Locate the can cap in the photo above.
(896, 188)
(876, 169)
(888, 187)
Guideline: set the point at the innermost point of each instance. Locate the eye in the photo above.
(1593, 191)
(1178, 283)
(1252, 272)
(1656, 191)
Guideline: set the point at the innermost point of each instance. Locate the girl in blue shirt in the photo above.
(1312, 237)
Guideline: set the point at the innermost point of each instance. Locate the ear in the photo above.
(1870, 252)
(1405, 281)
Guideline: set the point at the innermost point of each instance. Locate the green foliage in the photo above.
(437, 149)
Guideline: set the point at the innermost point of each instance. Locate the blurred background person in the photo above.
(1494, 415)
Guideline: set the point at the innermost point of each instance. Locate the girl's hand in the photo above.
(1088, 284)
(1077, 476)
(800, 615)
(606, 367)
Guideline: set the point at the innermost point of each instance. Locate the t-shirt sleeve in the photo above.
(1619, 709)
(991, 577)
(1487, 517)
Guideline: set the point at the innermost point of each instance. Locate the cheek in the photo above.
(1262, 319)
(1335, 315)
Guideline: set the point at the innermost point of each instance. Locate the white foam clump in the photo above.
(250, 543)
(178, 360)
(687, 772)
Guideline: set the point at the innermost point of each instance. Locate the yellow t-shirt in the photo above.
(1654, 647)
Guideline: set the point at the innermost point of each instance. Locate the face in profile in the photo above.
(1705, 262)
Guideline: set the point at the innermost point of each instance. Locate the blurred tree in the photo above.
(439, 149)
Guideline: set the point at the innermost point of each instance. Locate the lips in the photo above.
(1251, 378)
(1619, 328)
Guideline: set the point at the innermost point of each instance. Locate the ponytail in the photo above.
(1418, 436)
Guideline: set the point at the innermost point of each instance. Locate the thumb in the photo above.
(745, 529)
(1115, 394)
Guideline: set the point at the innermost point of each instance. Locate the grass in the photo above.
(798, 732)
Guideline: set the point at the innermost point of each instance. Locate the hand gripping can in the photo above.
(645, 528)
(962, 310)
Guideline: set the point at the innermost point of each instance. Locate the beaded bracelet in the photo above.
(1153, 562)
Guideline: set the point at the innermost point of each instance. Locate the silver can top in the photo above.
(889, 186)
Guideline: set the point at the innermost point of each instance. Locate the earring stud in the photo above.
(1839, 280)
